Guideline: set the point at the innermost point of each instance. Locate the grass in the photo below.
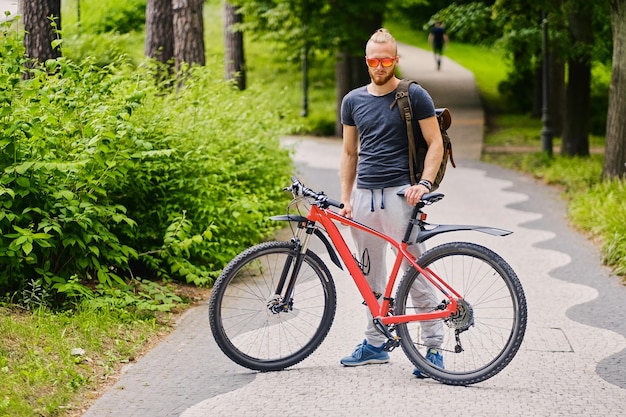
(42, 370)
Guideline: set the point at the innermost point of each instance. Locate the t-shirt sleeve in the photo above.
(421, 102)
(346, 111)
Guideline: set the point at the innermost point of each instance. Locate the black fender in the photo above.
(426, 234)
(301, 219)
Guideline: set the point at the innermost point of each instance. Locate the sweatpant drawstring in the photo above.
(382, 199)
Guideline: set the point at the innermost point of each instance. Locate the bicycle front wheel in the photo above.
(487, 329)
(247, 324)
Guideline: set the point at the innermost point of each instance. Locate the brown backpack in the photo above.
(418, 154)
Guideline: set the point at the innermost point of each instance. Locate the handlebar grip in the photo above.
(334, 203)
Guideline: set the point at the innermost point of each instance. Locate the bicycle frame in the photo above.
(328, 218)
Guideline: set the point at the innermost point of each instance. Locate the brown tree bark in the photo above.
(615, 152)
(350, 73)
(188, 32)
(234, 57)
(578, 96)
(159, 42)
(42, 20)
(350, 69)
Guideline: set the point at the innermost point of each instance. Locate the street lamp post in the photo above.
(546, 131)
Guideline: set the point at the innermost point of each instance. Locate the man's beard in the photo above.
(381, 79)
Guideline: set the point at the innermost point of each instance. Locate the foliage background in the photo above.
(106, 174)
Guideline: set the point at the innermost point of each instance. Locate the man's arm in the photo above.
(432, 135)
(347, 167)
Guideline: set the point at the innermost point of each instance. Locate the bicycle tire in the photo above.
(248, 331)
(493, 298)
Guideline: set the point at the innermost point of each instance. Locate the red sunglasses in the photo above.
(373, 62)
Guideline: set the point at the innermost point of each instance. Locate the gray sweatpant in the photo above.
(389, 213)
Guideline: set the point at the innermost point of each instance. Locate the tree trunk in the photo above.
(556, 97)
(576, 130)
(350, 69)
(235, 62)
(159, 30)
(188, 32)
(615, 153)
(42, 20)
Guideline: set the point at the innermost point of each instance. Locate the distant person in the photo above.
(437, 38)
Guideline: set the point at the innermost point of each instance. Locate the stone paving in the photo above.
(572, 360)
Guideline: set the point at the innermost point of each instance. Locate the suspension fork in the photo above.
(282, 299)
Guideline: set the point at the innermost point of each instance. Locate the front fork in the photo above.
(282, 299)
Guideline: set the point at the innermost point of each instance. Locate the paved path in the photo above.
(8, 6)
(572, 361)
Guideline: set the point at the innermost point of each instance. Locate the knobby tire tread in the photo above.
(221, 284)
(519, 301)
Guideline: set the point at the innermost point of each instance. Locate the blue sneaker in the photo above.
(433, 356)
(365, 354)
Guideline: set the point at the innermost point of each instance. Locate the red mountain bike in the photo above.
(274, 303)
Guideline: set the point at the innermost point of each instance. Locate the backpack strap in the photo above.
(404, 105)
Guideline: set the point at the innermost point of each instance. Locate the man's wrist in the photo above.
(427, 184)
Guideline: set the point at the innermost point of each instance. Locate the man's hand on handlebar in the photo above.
(346, 211)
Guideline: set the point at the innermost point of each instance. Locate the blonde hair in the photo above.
(382, 35)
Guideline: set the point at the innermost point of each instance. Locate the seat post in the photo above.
(409, 227)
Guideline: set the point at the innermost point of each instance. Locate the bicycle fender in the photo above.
(301, 219)
(424, 235)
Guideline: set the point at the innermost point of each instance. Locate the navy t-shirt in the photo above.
(438, 36)
(383, 148)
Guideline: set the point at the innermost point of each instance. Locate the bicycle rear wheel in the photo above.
(245, 321)
(487, 330)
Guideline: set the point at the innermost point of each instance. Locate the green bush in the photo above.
(103, 16)
(607, 201)
(104, 175)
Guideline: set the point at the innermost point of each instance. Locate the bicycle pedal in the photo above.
(391, 344)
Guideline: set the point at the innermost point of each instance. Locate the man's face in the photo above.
(383, 53)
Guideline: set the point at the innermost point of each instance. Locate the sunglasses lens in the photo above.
(374, 62)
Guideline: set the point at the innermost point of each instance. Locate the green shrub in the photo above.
(103, 16)
(104, 175)
(602, 213)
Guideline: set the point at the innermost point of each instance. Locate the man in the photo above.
(375, 154)
(437, 38)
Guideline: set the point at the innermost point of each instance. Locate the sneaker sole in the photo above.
(367, 362)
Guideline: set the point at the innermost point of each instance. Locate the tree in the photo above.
(350, 69)
(42, 23)
(234, 57)
(188, 32)
(615, 153)
(575, 140)
(159, 42)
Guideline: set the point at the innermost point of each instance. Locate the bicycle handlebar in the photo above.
(297, 188)
(321, 199)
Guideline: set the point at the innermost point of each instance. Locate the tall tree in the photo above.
(188, 32)
(42, 21)
(615, 153)
(159, 42)
(359, 20)
(575, 141)
(234, 57)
